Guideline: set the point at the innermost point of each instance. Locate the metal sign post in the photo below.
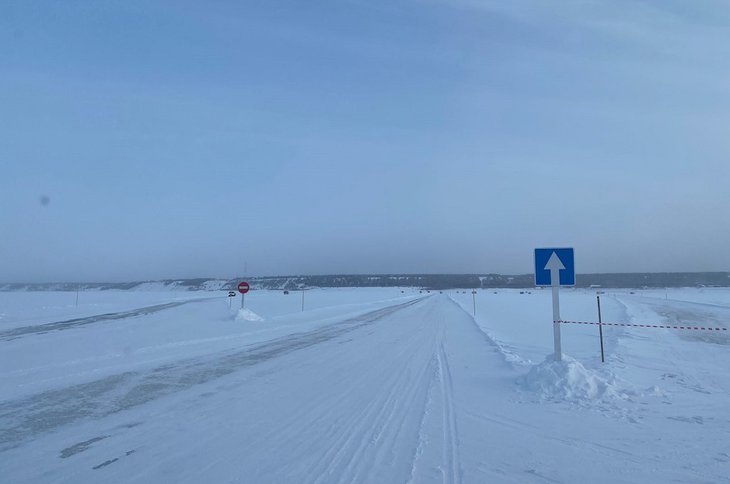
(243, 288)
(555, 268)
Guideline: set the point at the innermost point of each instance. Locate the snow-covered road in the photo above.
(354, 401)
(401, 390)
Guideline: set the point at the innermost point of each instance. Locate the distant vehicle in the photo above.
(286, 292)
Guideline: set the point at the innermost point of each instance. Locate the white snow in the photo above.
(246, 314)
(568, 380)
(364, 385)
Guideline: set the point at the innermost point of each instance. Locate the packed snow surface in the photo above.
(362, 386)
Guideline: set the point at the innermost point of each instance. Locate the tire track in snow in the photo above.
(422, 438)
(372, 434)
(451, 459)
(370, 440)
(437, 456)
(396, 415)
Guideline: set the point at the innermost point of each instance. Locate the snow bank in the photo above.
(569, 380)
(247, 315)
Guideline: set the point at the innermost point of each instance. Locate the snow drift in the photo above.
(247, 315)
(569, 380)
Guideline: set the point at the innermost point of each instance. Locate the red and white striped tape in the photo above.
(701, 328)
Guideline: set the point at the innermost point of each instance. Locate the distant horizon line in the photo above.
(393, 274)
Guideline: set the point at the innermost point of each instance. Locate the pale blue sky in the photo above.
(184, 139)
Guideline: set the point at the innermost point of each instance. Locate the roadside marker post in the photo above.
(243, 288)
(555, 267)
(600, 327)
(474, 301)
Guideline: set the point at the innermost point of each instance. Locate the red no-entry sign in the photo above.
(243, 287)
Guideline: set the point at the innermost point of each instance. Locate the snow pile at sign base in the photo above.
(247, 315)
(569, 380)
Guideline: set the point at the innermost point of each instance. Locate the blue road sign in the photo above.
(549, 260)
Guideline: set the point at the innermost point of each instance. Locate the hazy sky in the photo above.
(183, 139)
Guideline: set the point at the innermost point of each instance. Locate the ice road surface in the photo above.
(365, 385)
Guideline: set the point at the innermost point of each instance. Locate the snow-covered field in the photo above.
(364, 385)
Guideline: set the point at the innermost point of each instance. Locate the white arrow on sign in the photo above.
(555, 265)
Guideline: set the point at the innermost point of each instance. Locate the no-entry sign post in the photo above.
(243, 288)
(555, 268)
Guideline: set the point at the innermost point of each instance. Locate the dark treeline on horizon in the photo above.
(426, 281)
